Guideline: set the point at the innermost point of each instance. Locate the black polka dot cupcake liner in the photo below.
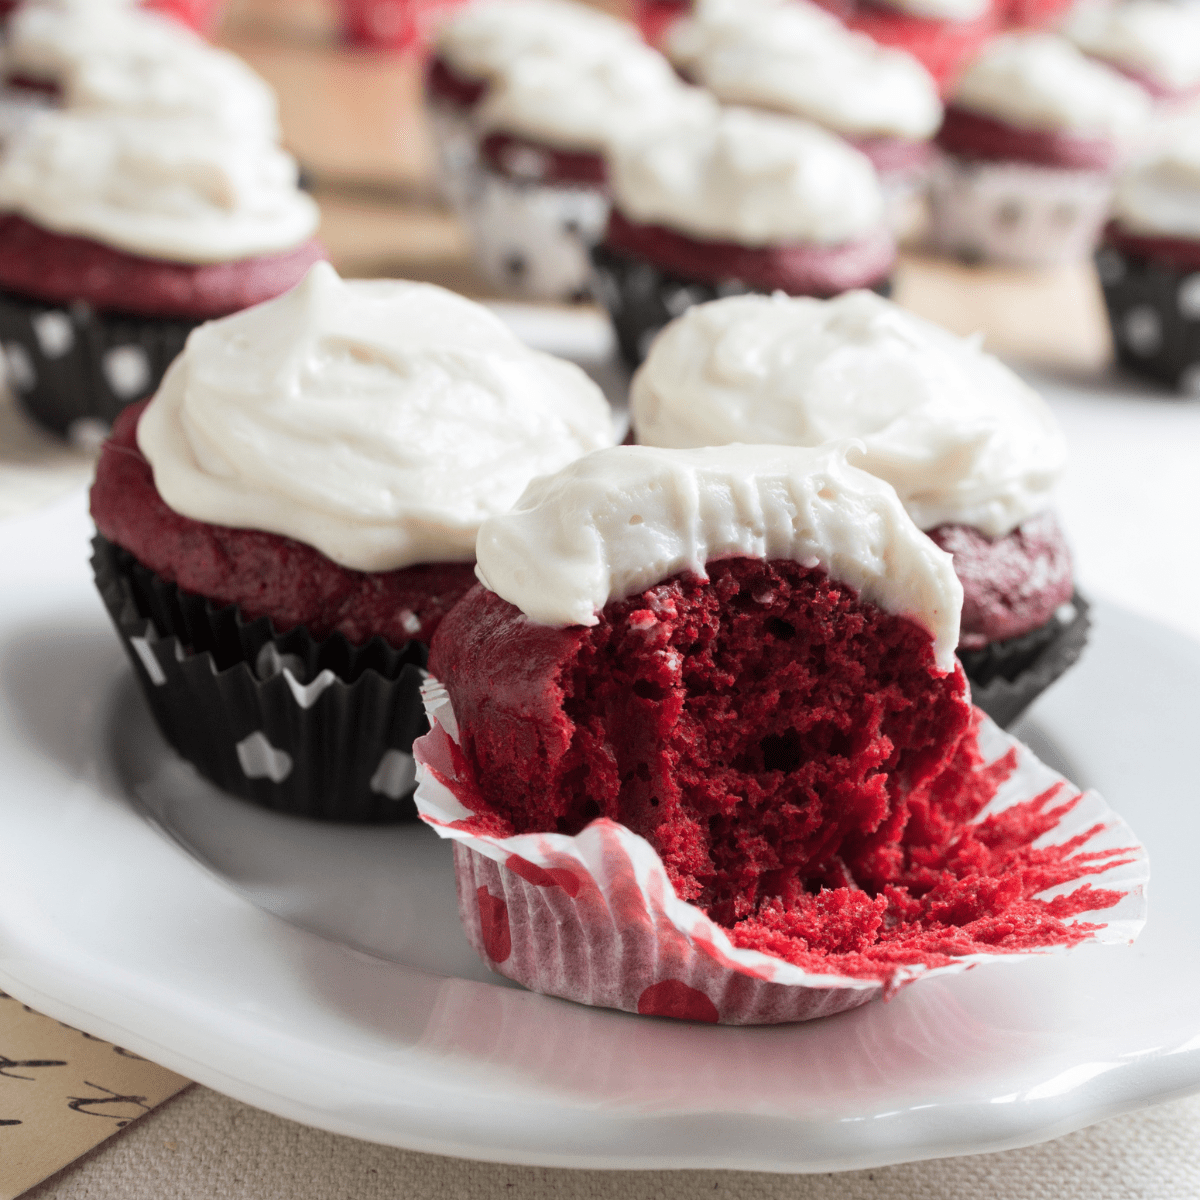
(641, 297)
(1007, 677)
(534, 239)
(1154, 310)
(318, 729)
(73, 369)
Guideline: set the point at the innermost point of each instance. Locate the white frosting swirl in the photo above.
(1041, 81)
(1154, 37)
(174, 190)
(795, 58)
(959, 436)
(750, 177)
(112, 58)
(590, 104)
(617, 522)
(380, 422)
(1160, 197)
(485, 38)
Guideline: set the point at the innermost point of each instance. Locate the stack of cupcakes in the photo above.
(154, 197)
(285, 524)
(972, 452)
(743, 201)
(1033, 136)
(794, 58)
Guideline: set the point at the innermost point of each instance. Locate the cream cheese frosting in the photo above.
(589, 105)
(958, 435)
(796, 59)
(113, 58)
(1041, 81)
(378, 421)
(751, 177)
(619, 521)
(175, 190)
(485, 38)
(1152, 37)
(1160, 196)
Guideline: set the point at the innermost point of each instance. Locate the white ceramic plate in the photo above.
(138, 904)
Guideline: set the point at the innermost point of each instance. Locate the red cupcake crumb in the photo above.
(1013, 584)
(971, 135)
(798, 268)
(442, 81)
(1181, 253)
(264, 574)
(61, 269)
(522, 159)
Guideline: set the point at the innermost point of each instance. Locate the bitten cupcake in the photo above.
(285, 524)
(1153, 42)
(742, 201)
(1033, 135)
(971, 450)
(1149, 263)
(704, 750)
(795, 58)
(118, 235)
(475, 46)
(547, 125)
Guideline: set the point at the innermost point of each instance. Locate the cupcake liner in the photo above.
(315, 728)
(74, 366)
(1006, 677)
(641, 297)
(534, 239)
(1018, 213)
(456, 144)
(594, 918)
(1154, 310)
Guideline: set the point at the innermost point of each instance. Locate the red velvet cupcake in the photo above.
(118, 235)
(972, 451)
(286, 523)
(717, 761)
(742, 201)
(1032, 138)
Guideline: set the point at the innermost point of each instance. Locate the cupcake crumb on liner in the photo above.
(314, 728)
(71, 366)
(594, 918)
(1007, 677)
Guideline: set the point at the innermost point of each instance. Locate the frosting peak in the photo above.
(378, 421)
(619, 521)
(751, 177)
(961, 438)
(1155, 38)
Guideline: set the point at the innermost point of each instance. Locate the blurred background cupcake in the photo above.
(791, 57)
(973, 452)
(1033, 135)
(1149, 262)
(744, 201)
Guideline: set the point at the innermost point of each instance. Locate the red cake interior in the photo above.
(972, 135)
(791, 753)
(264, 574)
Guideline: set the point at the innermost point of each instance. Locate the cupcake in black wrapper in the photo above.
(283, 527)
(741, 202)
(1149, 263)
(972, 452)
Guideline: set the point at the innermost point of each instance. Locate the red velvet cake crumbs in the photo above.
(264, 574)
(1013, 584)
(789, 752)
(972, 135)
(59, 269)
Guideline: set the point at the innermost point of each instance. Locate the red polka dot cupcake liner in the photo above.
(594, 918)
(73, 369)
(314, 728)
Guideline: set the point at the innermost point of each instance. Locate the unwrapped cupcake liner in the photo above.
(534, 239)
(314, 728)
(594, 918)
(74, 368)
(642, 297)
(1017, 213)
(1007, 677)
(1154, 310)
